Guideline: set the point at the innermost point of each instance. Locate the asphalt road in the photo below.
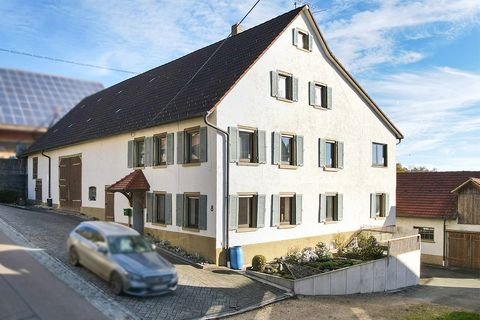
(29, 291)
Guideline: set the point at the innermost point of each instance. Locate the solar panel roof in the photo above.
(34, 99)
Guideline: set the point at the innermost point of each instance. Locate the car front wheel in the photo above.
(116, 283)
(73, 257)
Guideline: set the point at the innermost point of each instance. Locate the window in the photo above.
(426, 233)
(331, 154)
(246, 140)
(193, 205)
(288, 150)
(160, 150)
(159, 211)
(331, 208)
(246, 211)
(34, 168)
(320, 95)
(284, 86)
(379, 154)
(379, 206)
(92, 193)
(139, 153)
(286, 210)
(193, 146)
(302, 39)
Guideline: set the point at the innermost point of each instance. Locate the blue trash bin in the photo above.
(236, 257)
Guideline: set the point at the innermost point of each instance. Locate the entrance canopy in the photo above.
(134, 182)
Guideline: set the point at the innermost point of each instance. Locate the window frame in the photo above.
(376, 146)
(252, 214)
(334, 213)
(155, 213)
(292, 149)
(334, 154)
(156, 149)
(305, 36)
(188, 223)
(136, 163)
(253, 145)
(323, 95)
(291, 220)
(288, 86)
(188, 144)
(92, 189)
(423, 234)
(380, 207)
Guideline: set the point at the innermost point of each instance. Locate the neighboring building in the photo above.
(30, 102)
(445, 209)
(311, 155)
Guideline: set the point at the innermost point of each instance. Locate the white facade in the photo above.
(249, 103)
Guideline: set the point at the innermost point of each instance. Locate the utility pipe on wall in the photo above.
(49, 199)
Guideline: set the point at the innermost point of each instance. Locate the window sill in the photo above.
(330, 222)
(287, 166)
(284, 99)
(320, 108)
(380, 218)
(303, 49)
(159, 166)
(286, 226)
(242, 230)
(248, 164)
(163, 225)
(428, 241)
(190, 229)
(138, 168)
(378, 166)
(191, 164)
(330, 169)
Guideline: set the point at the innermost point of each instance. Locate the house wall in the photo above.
(104, 161)
(250, 104)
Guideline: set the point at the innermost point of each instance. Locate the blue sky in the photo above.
(419, 60)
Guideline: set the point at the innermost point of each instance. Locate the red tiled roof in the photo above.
(428, 194)
(135, 181)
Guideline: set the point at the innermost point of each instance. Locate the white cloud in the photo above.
(372, 37)
(437, 110)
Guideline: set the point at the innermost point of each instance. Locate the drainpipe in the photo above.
(226, 185)
(444, 241)
(49, 199)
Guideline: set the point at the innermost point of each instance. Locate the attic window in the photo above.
(302, 39)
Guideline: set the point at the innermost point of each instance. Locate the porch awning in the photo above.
(133, 182)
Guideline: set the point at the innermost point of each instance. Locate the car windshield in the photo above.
(128, 244)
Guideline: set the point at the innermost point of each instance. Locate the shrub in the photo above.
(367, 249)
(258, 263)
(8, 196)
(322, 251)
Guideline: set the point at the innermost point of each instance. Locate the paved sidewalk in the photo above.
(201, 293)
(30, 291)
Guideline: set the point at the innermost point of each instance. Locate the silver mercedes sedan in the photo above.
(121, 256)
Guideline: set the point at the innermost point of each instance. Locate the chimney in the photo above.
(236, 29)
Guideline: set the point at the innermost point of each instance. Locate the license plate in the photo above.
(159, 287)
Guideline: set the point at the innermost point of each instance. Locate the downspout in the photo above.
(49, 199)
(226, 184)
(444, 241)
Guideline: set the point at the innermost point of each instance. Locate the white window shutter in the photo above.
(321, 152)
(148, 162)
(373, 205)
(274, 83)
(275, 210)
(261, 201)
(339, 207)
(295, 37)
(276, 147)
(299, 150)
(311, 93)
(322, 217)
(294, 89)
(233, 212)
(386, 203)
(262, 146)
(131, 145)
(340, 155)
(298, 208)
(310, 42)
(233, 145)
(329, 97)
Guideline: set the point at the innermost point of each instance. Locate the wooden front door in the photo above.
(464, 250)
(70, 183)
(38, 191)
(109, 205)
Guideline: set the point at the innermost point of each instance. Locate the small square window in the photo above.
(303, 40)
(140, 153)
(92, 193)
(193, 146)
(246, 146)
(379, 154)
(288, 150)
(426, 233)
(246, 211)
(160, 149)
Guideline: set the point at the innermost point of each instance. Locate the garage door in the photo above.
(464, 250)
(70, 183)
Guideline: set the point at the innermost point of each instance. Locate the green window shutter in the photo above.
(276, 147)
(311, 93)
(233, 212)
(299, 150)
(168, 209)
(261, 201)
(274, 83)
(202, 214)
(298, 209)
(295, 37)
(386, 203)
(180, 147)
(310, 42)
(150, 199)
(329, 97)
(322, 217)
(148, 152)
(373, 209)
(294, 89)
(262, 146)
(339, 207)
(321, 152)
(130, 154)
(180, 209)
(233, 147)
(340, 155)
(275, 210)
(170, 148)
(203, 144)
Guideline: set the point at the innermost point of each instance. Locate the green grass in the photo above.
(435, 314)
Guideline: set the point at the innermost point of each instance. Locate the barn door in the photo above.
(464, 250)
(70, 183)
(109, 205)
(38, 191)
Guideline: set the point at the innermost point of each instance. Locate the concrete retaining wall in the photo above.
(13, 175)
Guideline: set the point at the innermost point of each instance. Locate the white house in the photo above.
(310, 154)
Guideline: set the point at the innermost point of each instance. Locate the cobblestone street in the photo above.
(201, 293)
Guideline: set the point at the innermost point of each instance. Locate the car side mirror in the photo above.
(102, 249)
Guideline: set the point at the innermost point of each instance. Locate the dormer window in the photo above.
(302, 39)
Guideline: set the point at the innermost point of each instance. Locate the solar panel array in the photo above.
(34, 99)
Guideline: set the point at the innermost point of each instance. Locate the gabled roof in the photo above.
(135, 181)
(474, 181)
(429, 194)
(178, 90)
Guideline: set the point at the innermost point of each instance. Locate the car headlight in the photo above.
(134, 277)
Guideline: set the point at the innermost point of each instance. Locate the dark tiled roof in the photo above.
(153, 98)
(135, 181)
(429, 194)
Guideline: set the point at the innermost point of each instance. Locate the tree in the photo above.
(401, 169)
